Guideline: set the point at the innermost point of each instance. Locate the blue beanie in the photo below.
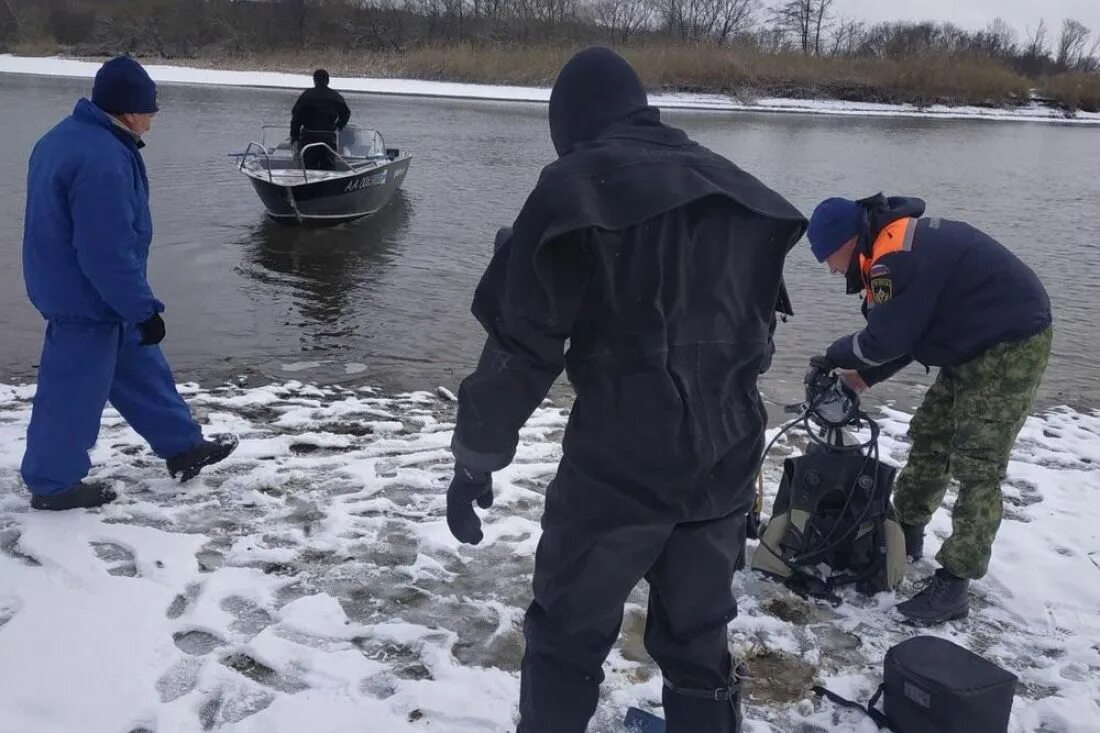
(122, 86)
(833, 223)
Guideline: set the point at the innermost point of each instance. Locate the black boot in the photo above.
(945, 597)
(206, 453)
(81, 496)
(914, 541)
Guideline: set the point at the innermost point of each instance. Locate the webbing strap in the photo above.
(722, 694)
(870, 710)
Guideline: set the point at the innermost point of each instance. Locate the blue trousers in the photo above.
(83, 366)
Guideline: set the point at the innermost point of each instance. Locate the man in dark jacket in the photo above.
(317, 116)
(85, 248)
(944, 294)
(660, 262)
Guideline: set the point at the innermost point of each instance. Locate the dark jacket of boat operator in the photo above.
(659, 262)
(936, 291)
(317, 115)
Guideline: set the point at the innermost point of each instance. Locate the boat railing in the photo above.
(326, 146)
(267, 158)
(347, 139)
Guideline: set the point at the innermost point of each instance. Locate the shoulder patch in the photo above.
(879, 270)
(882, 289)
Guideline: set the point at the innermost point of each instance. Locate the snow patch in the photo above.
(310, 583)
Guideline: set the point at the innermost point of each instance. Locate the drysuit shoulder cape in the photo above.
(631, 174)
(536, 283)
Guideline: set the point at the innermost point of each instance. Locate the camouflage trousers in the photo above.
(966, 428)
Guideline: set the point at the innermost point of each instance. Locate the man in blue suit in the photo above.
(85, 249)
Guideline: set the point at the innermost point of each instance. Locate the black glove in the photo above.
(468, 485)
(152, 331)
(820, 366)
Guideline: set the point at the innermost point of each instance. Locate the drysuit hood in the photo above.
(594, 90)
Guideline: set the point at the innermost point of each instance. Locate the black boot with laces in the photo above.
(945, 597)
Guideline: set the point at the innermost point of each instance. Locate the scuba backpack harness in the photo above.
(832, 523)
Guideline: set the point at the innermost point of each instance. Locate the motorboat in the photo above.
(359, 177)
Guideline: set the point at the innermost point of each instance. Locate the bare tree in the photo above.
(795, 18)
(848, 36)
(1072, 43)
(805, 20)
(820, 17)
(549, 11)
(16, 18)
(1037, 42)
(999, 39)
(623, 18)
(693, 20)
(1090, 62)
(733, 18)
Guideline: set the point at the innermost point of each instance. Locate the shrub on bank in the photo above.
(707, 68)
(1079, 91)
(739, 72)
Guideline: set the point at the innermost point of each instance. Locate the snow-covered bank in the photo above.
(417, 88)
(310, 583)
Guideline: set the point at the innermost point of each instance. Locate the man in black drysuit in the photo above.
(660, 262)
(318, 114)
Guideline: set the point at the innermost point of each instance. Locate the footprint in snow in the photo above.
(120, 559)
(196, 642)
(182, 602)
(250, 619)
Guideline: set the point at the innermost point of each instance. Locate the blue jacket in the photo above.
(942, 299)
(88, 228)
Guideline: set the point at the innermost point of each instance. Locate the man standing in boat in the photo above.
(85, 249)
(660, 263)
(317, 116)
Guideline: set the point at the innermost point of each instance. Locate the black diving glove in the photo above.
(820, 366)
(467, 486)
(818, 376)
(152, 330)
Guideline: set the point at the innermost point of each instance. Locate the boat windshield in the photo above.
(352, 142)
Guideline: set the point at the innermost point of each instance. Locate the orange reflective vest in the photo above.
(897, 236)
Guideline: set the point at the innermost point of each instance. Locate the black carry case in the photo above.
(931, 685)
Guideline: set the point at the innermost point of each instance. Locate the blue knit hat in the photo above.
(122, 86)
(833, 223)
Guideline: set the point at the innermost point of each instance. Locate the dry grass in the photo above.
(1074, 91)
(698, 68)
(701, 68)
(32, 47)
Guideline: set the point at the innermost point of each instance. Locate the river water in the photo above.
(386, 301)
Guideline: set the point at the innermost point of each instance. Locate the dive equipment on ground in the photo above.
(932, 685)
(832, 524)
(639, 721)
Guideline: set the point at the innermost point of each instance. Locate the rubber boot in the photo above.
(207, 453)
(82, 496)
(945, 597)
(914, 541)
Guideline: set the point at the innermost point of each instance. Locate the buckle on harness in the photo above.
(722, 694)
